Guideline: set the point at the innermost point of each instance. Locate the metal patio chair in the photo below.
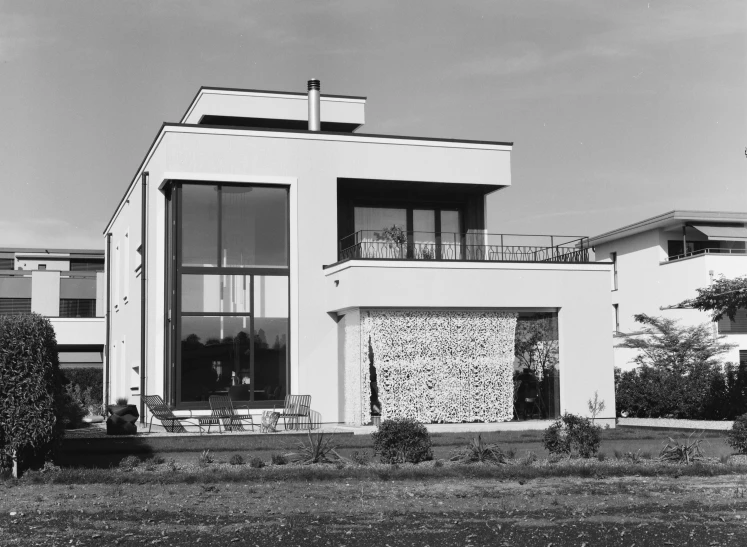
(170, 422)
(296, 407)
(223, 414)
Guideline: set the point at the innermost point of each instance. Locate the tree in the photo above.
(723, 298)
(678, 371)
(664, 344)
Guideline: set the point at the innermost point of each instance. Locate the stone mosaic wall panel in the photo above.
(440, 366)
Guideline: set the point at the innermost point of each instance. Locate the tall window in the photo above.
(231, 298)
(613, 256)
(616, 317)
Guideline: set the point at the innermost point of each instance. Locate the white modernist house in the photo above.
(64, 285)
(661, 261)
(265, 247)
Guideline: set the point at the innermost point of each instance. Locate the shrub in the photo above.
(361, 458)
(737, 435)
(128, 463)
(529, 459)
(236, 459)
(205, 458)
(31, 394)
(278, 459)
(91, 381)
(478, 451)
(682, 451)
(256, 463)
(572, 433)
(402, 440)
(318, 450)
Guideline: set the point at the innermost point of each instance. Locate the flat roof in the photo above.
(667, 220)
(49, 250)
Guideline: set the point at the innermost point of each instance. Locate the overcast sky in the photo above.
(618, 110)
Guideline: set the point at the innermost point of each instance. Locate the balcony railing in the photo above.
(483, 247)
(708, 251)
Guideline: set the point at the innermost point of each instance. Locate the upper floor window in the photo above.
(86, 265)
(15, 306)
(7, 263)
(77, 307)
(738, 326)
(234, 227)
(613, 256)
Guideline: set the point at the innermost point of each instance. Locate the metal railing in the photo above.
(473, 246)
(714, 250)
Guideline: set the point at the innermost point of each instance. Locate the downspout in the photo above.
(108, 314)
(143, 289)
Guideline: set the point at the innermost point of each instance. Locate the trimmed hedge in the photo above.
(31, 390)
(707, 392)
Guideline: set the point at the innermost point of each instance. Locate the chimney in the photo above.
(315, 123)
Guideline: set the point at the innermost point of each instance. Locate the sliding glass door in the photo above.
(230, 304)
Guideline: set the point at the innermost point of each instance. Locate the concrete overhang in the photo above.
(671, 221)
(255, 107)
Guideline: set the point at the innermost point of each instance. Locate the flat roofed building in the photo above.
(266, 247)
(65, 285)
(661, 261)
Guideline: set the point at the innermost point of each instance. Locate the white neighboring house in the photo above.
(661, 261)
(67, 287)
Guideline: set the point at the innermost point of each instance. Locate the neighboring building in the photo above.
(66, 286)
(286, 253)
(659, 262)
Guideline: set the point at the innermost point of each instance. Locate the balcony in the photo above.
(396, 244)
(707, 251)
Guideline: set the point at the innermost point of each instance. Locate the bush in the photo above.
(90, 380)
(737, 435)
(480, 452)
(318, 450)
(572, 433)
(236, 459)
(128, 463)
(256, 463)
(682, 451)
(402, 440)
(31, 394)
(278, 459)
(205, 458)
(361, 458)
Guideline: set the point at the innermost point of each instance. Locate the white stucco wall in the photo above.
(647, 282)
(575, 291)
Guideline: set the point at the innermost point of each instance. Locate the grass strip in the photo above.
(376, 472)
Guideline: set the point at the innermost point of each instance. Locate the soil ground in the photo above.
(633, 511)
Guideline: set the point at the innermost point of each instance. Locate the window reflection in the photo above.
(216, 293)
(199, 220)
(254, 227)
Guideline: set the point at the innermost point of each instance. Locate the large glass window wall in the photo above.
(229, 298)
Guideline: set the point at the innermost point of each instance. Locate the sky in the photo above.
(618, 110)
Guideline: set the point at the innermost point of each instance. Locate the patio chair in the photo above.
(172, 424)
(223, 414)
(296, 407)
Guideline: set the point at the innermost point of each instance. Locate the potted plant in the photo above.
(395, 240)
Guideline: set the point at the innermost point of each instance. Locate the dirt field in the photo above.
(559, 512)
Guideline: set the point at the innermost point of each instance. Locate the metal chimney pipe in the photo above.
(315, 123)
